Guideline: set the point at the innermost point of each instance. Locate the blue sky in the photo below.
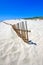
(11, 9)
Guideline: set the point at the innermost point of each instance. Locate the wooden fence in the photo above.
(21, 30)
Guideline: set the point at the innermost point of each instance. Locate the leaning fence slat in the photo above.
(26, 30)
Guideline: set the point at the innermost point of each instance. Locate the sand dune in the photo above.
(14, 51)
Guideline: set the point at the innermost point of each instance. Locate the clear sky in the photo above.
(11, 9)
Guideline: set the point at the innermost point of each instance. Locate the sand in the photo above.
(14, 51)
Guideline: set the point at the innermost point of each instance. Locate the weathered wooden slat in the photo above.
(26, 31)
